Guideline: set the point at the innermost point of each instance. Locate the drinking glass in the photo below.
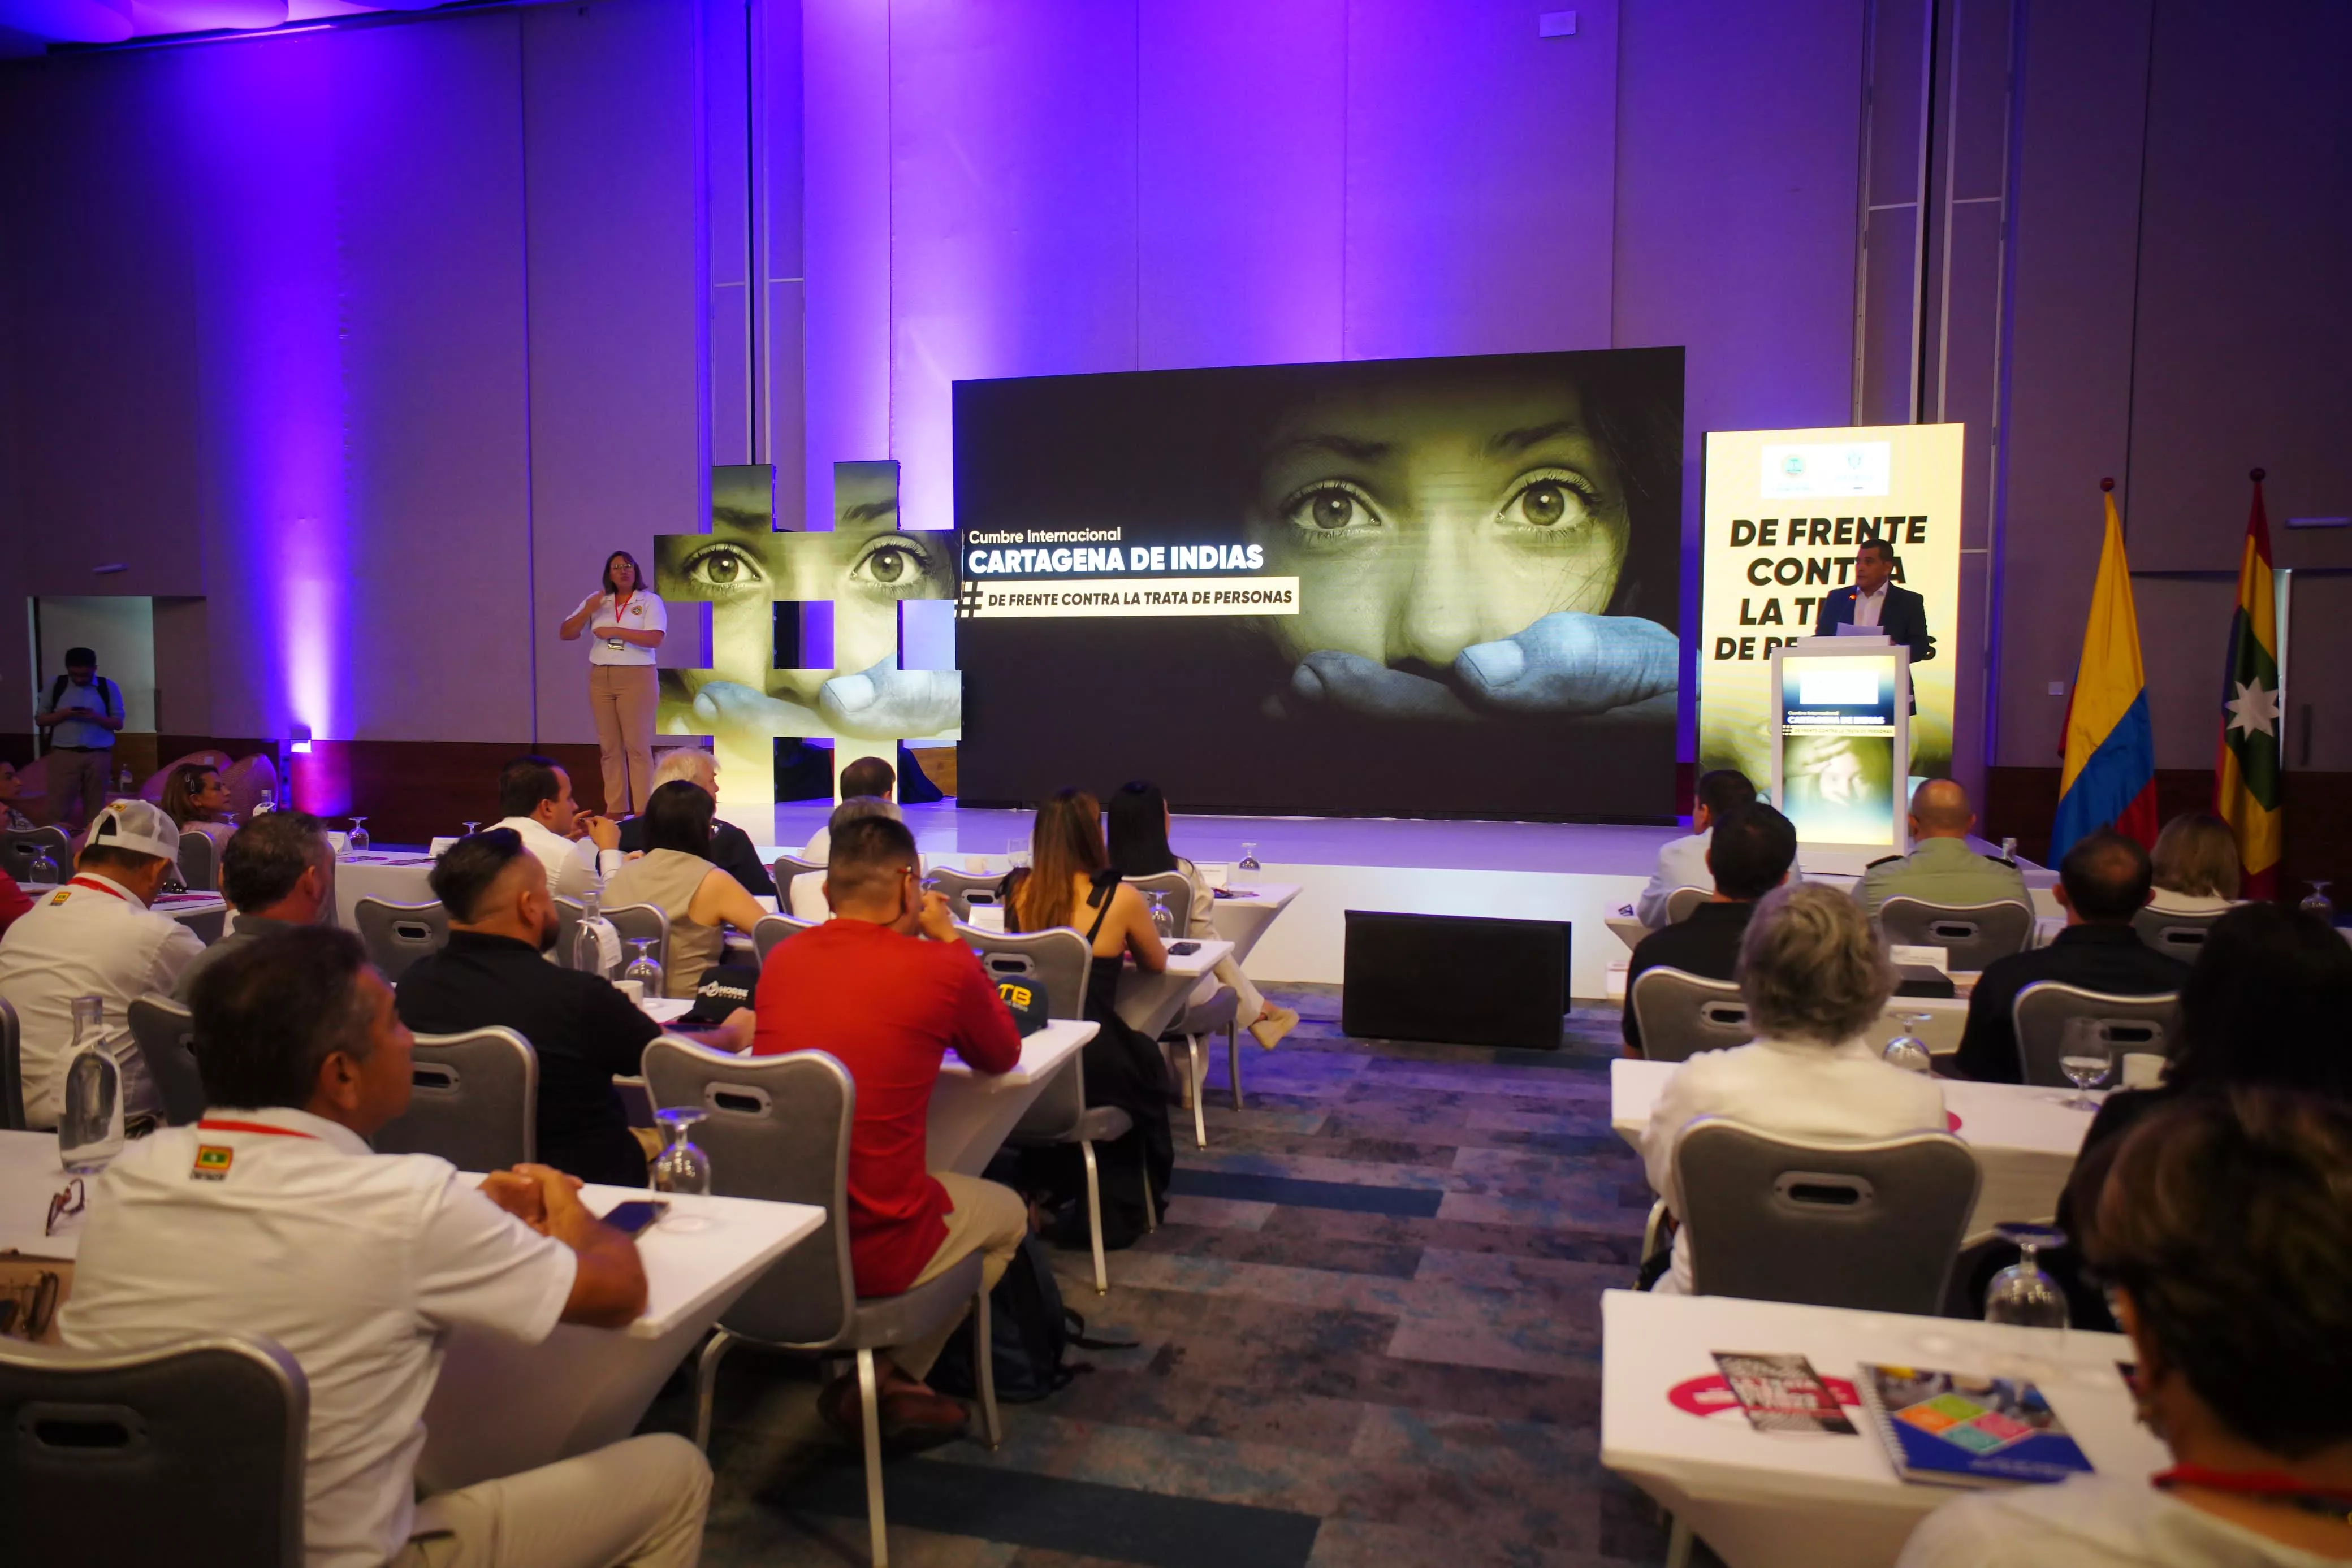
(1908, 1051)
(43, 869)
(359, 839)
(473, 828)
(1016, 852)
(587, 953)
(1249, 858)
(2021, 1293)
(681, 1168)
(2085, 1055)
(1163, 919)
(2317, 904)
(643, 966)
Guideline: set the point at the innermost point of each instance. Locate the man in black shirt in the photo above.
(2102, 884)
(1748, 853)
(585, 1030)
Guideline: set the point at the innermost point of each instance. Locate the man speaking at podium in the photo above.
(1874, 600)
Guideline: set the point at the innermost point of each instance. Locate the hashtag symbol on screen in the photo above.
(967, 601)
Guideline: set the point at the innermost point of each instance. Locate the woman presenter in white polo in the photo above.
(624, 624)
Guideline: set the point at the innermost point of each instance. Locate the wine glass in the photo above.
(1016, 852)
(1163, 919)
(2317, 904)
(2021, 1293)
(2085, 1056)
(1249, 858)
(43, 869)
(473, 828)
(644, 968)
(1908, 1051)
(681, 1167)
(358, 839)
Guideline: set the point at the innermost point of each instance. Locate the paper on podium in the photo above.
(1874, 633)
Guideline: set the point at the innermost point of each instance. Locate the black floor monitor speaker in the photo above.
(1456, 979)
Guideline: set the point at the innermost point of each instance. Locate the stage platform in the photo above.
(1579, 873)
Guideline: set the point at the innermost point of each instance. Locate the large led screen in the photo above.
(1410, 587)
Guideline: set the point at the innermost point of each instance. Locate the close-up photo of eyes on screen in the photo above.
(1449, 586)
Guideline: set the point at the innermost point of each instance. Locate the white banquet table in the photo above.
(1149, 1003)
(1809, 1500)
(2025, 1139)
(974, 1112)
(501, 1407)
(1243, 918)
(394, 876)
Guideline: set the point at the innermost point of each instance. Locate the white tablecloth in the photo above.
(1243, 920)
(2025, 1139)
(501, 1407)
(379, 873)
(972, 1112)
(1809, 1500)
(1149, 1003)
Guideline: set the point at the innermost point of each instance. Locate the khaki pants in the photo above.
(622, 697)
(78, 781)
(639, 1503)
(986, 1219)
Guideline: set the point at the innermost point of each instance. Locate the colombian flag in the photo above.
(2246, 769)
(2110, 775)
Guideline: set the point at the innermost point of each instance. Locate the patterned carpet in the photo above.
(1369, 1333)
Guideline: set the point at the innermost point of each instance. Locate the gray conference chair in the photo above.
(960, 885)
(473, 1100)
(784, 868)
(774, 929)
(199, 863)
(1683, 901)
(2180, 936)
(1971, 934)
(777, 1128)
(1179, 891)
(163, 1033)
(12, 1071)
(642, 923)
(190, 1454)
(2133, 1024)
(20, 848)
(397, 935)
(1680, 1014)
(1874, 1226)
(1200, 1022)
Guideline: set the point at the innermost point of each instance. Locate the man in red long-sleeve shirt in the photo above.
(886, 987)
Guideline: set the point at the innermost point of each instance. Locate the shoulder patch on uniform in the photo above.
(212, 1162)
(1885, 859)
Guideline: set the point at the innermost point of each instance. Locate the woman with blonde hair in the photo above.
(1070, 882)
(1814, 975)
(2196, 863)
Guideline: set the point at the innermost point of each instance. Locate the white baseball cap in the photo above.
(138, 826)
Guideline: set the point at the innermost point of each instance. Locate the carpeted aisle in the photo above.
(1369, 1334)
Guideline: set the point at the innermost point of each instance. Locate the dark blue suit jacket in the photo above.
(1904, 619)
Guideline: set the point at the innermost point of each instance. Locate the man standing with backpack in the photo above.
(84, 712)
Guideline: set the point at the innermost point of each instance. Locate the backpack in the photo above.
(1030, 1334)
(108, 694)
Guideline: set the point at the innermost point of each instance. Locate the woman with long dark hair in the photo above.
(627, 621)
(197, 801)
(1071, 883)
(1139, 847)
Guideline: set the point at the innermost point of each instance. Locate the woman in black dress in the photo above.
(1071, 883)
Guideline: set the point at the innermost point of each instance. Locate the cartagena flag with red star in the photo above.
(2246, 768)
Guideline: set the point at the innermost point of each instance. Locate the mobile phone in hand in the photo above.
(637, 1215)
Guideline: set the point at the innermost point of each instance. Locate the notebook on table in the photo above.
(1951, 1429)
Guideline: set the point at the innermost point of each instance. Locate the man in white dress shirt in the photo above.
(1813, 975)
(1682, 862)
(579, 850)
(95, 937)
(272, 1216)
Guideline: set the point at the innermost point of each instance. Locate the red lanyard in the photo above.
(99, 887)
(213, 1124)
(2331, 1502)
(621, 602)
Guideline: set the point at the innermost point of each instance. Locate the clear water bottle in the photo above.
(587, 948)
(2009, 849)
(89, 1130)
(1163, 919)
